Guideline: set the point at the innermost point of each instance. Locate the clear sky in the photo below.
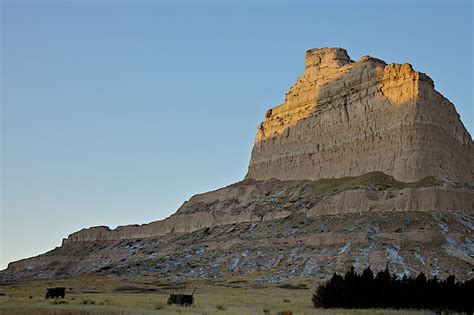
(117, 114)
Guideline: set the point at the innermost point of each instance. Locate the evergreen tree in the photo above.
(387, 291)
(382, 287)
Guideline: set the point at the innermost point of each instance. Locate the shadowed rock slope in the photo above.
(364, 164)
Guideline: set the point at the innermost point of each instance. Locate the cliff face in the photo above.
(346, 118)
(340, 119)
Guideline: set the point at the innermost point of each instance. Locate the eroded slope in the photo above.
(276, 230)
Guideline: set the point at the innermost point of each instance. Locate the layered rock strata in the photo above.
(345, 118)
(261, 201)
(433, 242)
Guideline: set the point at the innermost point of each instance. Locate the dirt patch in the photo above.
(133, 289)
(299, 286)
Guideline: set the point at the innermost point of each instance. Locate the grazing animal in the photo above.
(182, 299)
(55, 292)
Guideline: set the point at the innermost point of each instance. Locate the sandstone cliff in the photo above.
(340, 119)
(346, 118)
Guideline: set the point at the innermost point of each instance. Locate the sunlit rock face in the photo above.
(347, 118)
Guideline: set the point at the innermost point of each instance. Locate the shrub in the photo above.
(220, 307)
(385, 290)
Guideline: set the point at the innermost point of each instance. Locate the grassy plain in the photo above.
(101, 295)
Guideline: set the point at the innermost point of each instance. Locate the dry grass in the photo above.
(96, 295)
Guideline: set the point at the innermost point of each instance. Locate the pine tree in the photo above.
(387, 291)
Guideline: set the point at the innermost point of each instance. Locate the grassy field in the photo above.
(98, 295)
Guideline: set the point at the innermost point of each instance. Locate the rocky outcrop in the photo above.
(267, 200)
(277, 250)
(345, 118)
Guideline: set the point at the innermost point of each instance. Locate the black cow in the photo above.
(52, 293)
(182, 299)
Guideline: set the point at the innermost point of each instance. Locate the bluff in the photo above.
(363, 164)
(346, 118)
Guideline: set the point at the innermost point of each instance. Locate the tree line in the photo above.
(386, 290)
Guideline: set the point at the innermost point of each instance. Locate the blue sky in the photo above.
(117, 114)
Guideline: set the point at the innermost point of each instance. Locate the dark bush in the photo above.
(294, 286)
(385, 290)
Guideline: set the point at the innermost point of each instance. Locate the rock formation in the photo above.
(346, 118)
(364, 164)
